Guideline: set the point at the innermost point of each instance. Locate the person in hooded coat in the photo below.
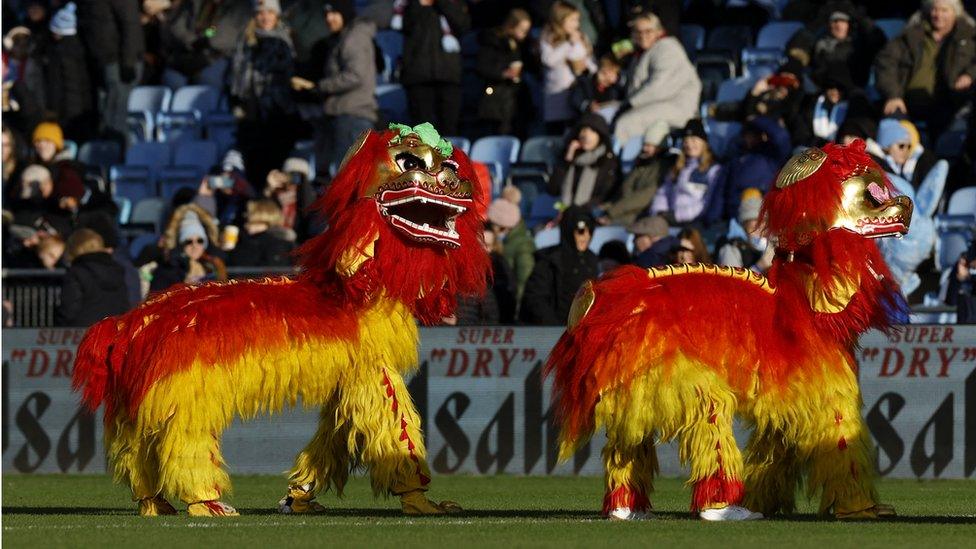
(587, 174)
(94, 284)
(560, 271)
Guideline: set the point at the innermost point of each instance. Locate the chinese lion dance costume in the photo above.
(405, 216)
(674, 353)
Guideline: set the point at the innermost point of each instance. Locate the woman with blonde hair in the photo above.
(264, 242)
(94, 284)
(690, 193)
(566, 54)
(185, 256)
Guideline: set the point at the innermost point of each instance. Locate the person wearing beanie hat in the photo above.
(48, 140)
(744, 244)
(691, 192)
(587, 173)
(560, 271)
(517, 245)
(185, 258)
(345, 8)
(272, 6)
(902, 153)
(652, 241)
(65, 21)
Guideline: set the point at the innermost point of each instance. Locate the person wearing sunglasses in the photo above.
(902, 153)
(186, 256)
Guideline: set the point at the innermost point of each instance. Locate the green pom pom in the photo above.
(428, 134)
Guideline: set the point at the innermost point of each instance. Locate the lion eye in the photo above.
(408, 162)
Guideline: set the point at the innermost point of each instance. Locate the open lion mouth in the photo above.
(423, 215)
(877, 227)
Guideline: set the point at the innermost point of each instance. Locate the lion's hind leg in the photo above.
(133, 458)
(191, 466)
(772, 473)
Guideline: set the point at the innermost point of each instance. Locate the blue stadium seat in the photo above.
(221, 128)
(150, 211)
(713, 69)
(174, 178)
(627, 152)
(729, 38)
(541, 149)
(721, 135)
(735, 90)
(462, 143)
(102, 154)
(546, 238)
(950, 246)
(503, 149)
(777, 33)
(392, 99)
(891, 27)
(144, 103)
(132, 182)
(201, 155)
(150, 155)
(125, 209)
(188, 109)
(543, 210)
(602, 235)
(962, 202)
(692, 38)
(138, 243)
(755, 59)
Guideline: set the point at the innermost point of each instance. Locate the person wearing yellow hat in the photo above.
(48, 141)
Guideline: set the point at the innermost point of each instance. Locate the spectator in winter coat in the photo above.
(186, 256)
(587, 174)
(692, 192)
(927, 71)
(566, 54)
(431, 72)
(599, 92)
(643, 181)
(292, 189)
(513, 239)
(201, 38)
(661, 82)
(263, 242)
(94, 284)
(744, 245)
(68, 91)
(113, 36)
(840, 33)
(777, 96)
(823, 114)
(652, 241)
(900, 152)
(560, 271)
(260, 91)
(348, 84)
(37, 201)
(106, 227)
(23, 81)
(765, 147)
(500, 65)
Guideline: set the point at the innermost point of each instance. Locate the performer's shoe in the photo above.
(879, 510)
(155, 506)
(730, 512)
(212, 508)
(624, 513)
(299, 500)
(415, 503)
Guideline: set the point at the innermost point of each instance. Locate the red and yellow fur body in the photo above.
(173, 373)
(676, 353)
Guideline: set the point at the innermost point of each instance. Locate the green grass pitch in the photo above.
(90, 511)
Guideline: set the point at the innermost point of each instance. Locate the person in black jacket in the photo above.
(112, 34)
(587, 174)
(94, 286)
(431, 71)
(68, 88)
(263, 242)
(500, 65)
(560, 271)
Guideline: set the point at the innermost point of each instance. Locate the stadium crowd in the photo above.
(642, 141)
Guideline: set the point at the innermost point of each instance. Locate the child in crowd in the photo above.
(566, 54)
(598, 92)
(691, 192)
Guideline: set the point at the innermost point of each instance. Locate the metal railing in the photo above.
(35, 294)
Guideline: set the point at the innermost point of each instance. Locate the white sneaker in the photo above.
(732, 512)
(624, 513)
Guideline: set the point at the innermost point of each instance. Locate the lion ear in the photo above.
(354, 257)
(360, 141)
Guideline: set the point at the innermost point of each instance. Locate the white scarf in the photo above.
(826, 122)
